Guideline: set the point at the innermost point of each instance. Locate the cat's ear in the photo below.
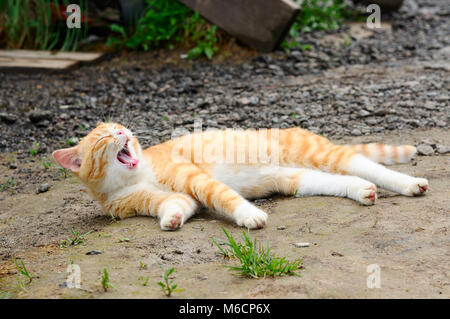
(100, 123)
(68, 158)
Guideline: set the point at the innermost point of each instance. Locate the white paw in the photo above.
(172, 220)
(367, 195)
(416, 187)
(364, 192)
(250, 216)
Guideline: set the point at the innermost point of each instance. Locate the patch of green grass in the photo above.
(145, 281)
(347, 42)
(105, 281)
(306, 47)
(34, 149)
(76, 239)
(142, 265)
(113, 218)
(70, 142)
(255, 259)
(46, 165)
(23, 270)
(5, 184)
(5, 295)
(9, 182)
(64, 172)
(167, 285)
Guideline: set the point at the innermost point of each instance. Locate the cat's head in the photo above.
(108, 154)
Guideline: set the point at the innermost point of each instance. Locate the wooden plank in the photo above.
(49, 55)
(27, 64)
(261, 24)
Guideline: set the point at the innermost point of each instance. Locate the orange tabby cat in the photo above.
(219, 169)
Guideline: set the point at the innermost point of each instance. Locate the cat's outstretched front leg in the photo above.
(219, 197)
(173, 209)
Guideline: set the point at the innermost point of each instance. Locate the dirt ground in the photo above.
(407, 237)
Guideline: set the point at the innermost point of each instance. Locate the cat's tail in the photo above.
(385, 154)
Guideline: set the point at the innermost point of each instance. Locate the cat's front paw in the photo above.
(171, 221)
(416, 187)
(250, 216)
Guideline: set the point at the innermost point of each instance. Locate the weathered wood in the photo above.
(49, 55)
(261, 24)
(27, 64)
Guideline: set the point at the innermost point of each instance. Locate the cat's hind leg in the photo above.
(391, 180)
(260, 181)
(313, 182)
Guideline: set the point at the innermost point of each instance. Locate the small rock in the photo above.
(8, 118)
(281, 227)
(93, 252)
(42, 188)
(424, 149)
(12, 166)
(63, 285)
(200, 277)
(300, 245)
(356, 132)
(38, 116)
(430, 105)
(244, 101)
(336, 254)
(443, 149)
(178, 252)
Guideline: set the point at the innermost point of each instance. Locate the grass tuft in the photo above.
(167, 285)
(255, 259)
(105, 281)
(76, 239)
(23, 270)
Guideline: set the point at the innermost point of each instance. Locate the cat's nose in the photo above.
(120, 132)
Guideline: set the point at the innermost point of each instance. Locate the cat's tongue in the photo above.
(125, 158)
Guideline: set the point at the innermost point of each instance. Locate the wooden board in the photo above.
(27, 60)
(261, 24)
(77, 56)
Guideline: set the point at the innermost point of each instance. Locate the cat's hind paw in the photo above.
(171, 221)
(417, 187)
(363, 192)
(250, 216)
(368, 195)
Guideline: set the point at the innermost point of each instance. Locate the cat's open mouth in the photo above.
(124, 157)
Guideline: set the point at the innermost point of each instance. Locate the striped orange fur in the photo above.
(222, 169)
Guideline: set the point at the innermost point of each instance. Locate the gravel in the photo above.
(387, 81)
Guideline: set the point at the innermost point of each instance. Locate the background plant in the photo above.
(38, 25)
(168, 23)
(255, 259)
(317, 15)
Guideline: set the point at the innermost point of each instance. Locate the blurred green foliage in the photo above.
(168, 22)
